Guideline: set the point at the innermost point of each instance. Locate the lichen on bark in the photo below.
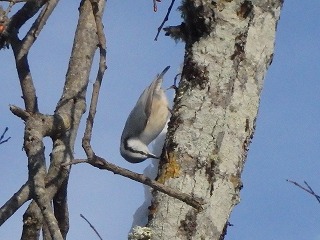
(229, 46)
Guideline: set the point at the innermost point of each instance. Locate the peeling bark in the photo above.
(229, 46)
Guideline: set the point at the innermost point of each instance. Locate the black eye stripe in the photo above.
(126, 147)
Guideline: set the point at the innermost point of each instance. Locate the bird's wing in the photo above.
(138, 117)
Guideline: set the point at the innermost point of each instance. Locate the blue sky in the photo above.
(285, 145)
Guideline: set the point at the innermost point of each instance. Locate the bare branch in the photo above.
(21, 197)
(37, 26)
(44, 187)
(32, 222)
(166, 18)
(21, 48)
(33, 145)
(10, 27)
(24, 14)
(73, 103)
(94, 229)
(19, 112)
(15, 202)
(32, 219)
(308, 189)
(101, 163)
(2, 140)
(61, 211)
(26, 82)
(96, 86)
(45, 232)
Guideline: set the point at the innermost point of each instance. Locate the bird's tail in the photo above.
(163, 72)
(157, 82)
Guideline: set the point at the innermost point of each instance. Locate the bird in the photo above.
(145, 122)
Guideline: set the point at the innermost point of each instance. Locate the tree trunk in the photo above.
(229, 46)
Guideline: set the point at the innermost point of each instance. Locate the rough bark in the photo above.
(229, 46)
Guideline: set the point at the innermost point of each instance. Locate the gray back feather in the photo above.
(137, 119)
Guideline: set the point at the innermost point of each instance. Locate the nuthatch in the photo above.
(145, 122)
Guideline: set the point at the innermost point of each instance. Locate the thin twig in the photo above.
(166, 18)
(96, 86)
(311, 190)
(2, 140)
(86, 140)
(101, 163)
(308, 190)
(94, 229)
